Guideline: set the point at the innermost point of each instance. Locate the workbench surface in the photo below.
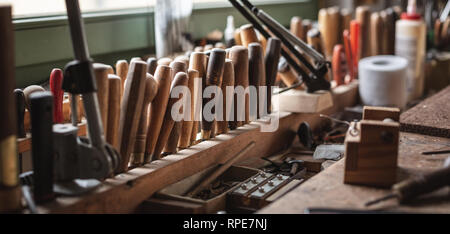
(327, 190)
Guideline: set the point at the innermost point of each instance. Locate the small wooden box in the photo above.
(372, 148)
(171, 200)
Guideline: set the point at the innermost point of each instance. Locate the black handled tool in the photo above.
(42, 145)
(20, 104)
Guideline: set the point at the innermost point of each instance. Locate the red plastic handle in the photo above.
(355, 30)
(349, 55)
(56, 80)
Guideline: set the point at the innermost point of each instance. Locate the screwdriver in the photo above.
(408, 190)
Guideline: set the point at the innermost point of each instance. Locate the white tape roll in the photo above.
(383, 81)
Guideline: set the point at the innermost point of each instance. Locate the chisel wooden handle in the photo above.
(42, 145)
(28, 91)
(287, 75)
(152, 65)
(115, 89)
(20, 103)
(186, 130)
(172, 142)
(388, 18)
(163, 76)
(101, 74)
(131, 110)
(181, 79)
(248, 35)
(273, 53)
(307, 25)
(363, 17)
(10, 199)
(184, 59)
(239, 57)
(199, 49)
(56, 80)
(122, 72)
(237, 36)
(257, 76)
(198, 62)
(164, 61)
(208, 47)
(227, 81)
(315, 40)
(151, 90)
(376, 34)
(346, 18)
(297, 27)
(213, 79)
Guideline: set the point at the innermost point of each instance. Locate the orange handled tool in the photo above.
(355, 29)
(349, 55)
(339, 64)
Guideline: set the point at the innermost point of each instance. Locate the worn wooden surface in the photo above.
(431, 117)
(327, 189)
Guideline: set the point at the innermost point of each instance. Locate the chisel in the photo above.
(227, 81)
(56, 79)
(163, 76)
(346, 18)
(20, 103)
(271, 60)
(257, 77)
(151, 90)
(184, 59)
(248, 35)
(307, 25)
(181, 79)
(28, 91)
(376, 34)
(172, 142)
(10, 193)
(164, 61)
(287, 75)
(186, 129)
(122, 72)
(101, 72)
(388, 17)
(198, 62)
(185, 138)
(315, 40)
(237, 37)
(239, 57)
(297, 27)
(115, 89)
(363, 18)
(42, 145)
(152, 65)
(130, 111)
(213, 79)
(355, 32)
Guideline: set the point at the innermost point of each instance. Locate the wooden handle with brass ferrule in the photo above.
(181, 79)
(163, 76)
(151, 90)
(130, 111)
(213, 79)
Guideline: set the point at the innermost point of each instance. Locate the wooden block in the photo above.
(381, 113)
(302, 102)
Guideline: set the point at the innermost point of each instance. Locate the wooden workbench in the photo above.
(327, 190)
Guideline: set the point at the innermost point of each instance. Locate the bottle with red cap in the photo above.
(411, 44)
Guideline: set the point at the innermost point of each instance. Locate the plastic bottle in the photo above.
(411, 44)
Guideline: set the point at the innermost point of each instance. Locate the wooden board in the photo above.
(431, 117)
(327, 189)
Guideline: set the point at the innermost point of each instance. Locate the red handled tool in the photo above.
(339, 65)
(56, 80)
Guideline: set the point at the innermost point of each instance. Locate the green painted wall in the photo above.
(43, 44)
